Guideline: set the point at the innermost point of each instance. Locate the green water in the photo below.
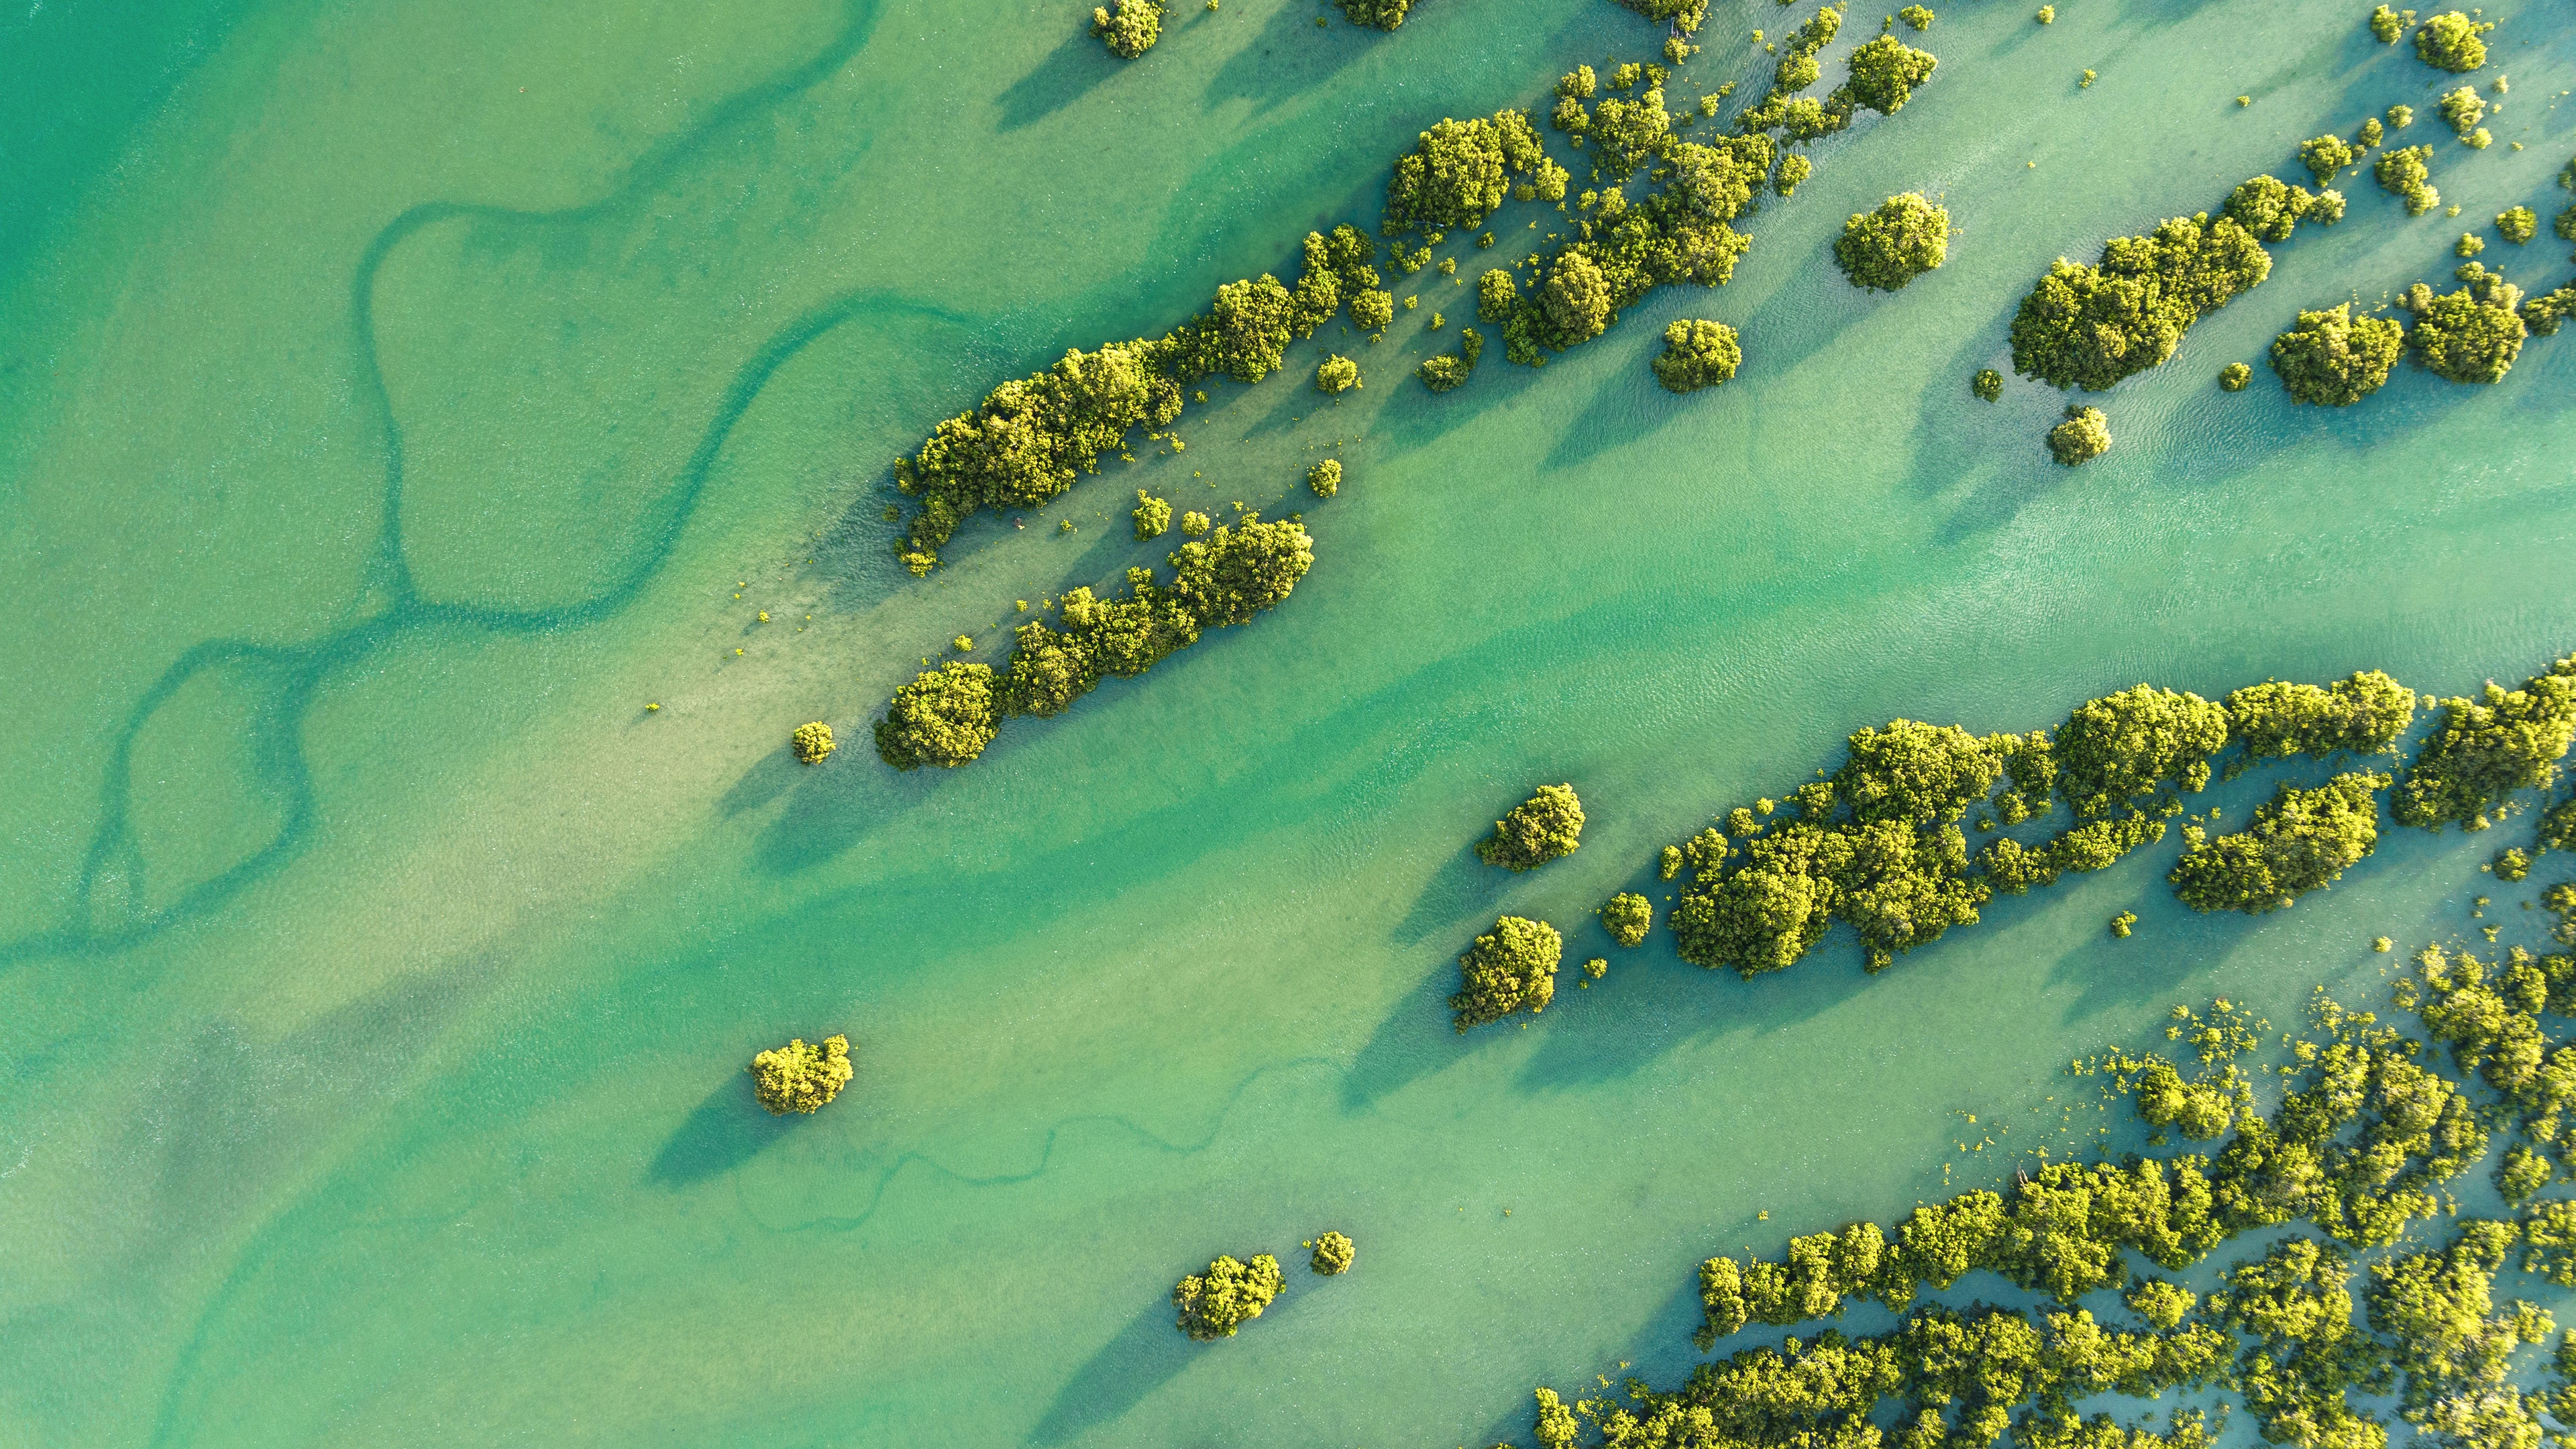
(394, 400)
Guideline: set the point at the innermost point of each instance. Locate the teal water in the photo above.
(393, 402)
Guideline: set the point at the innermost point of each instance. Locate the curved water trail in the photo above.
(390, 605)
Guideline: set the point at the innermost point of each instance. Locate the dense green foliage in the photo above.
(945, 717)
(1152, 516)
(2518, 224)
(2389, 26)
(1377, 14)
(1230, 1294)
(2452, 41)
(2301, 840)
(2083, 437)
(1885, 248)
(1336, 373)
(2370, 1292)
(2234, 376)
(2472, 334)
(1325, 478)
(2090, 326)
(1033, 436)
(2487, 748)
(1444, 371)
(2406, 171)
(1916, 18)
(1511, 969)
(1128, 27)
(1333, 1253)
(1697, 354)
(2271, 208)
(1547, 825)
(2324, 156)
(1628, 917)
(1240, 570)
(1459, 173)
(948, 715)
(801, 1076)
(2334, 359)
(1684, 16)
(1988, 384)
(2462, 108)
(811, 743)
(2362, 715)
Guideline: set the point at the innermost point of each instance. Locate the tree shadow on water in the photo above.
(1069, 71)
(1413, 1041)
(1145, 1355)
(727, 1130)
(1462, 887)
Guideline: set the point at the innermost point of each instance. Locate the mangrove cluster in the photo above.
(2351, 1301)
(1880, 845)
(1032, 437)
(948, 714)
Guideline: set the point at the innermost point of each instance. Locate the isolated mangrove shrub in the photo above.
(1547, 825)
(1230, 1294)
(2090, 326)
(2452, 41)
(801, 1076)
(1153, 516)
(1628, 917)
(1511, 969)
(2472, 334)
(812, 743)
(1325, 478)
(1335, 374)
(1697, 354)
(1332, 1254)
(1128, 27)
(1885, 248)
(2083, 437)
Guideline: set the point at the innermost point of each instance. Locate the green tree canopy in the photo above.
(2324, 156)
(2090, 326)
(2302, 840)
(2083, 437)
(1697, 354)
(1628, 917)
(2334, 359)
(2363, 715)
(2452, 41)
(1240, 570)
(1509, 970)
(1547, 825)
(1230, 1294)
(1333, 1253)
(944, 717)
(2487, 748)
(2472, 334)
(1128, 27)
(812, 743)
(1904, 237)
(801, 1076)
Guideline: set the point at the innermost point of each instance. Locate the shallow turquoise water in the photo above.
(378, 436)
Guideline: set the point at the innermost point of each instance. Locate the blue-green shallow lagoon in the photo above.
(394, 400)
